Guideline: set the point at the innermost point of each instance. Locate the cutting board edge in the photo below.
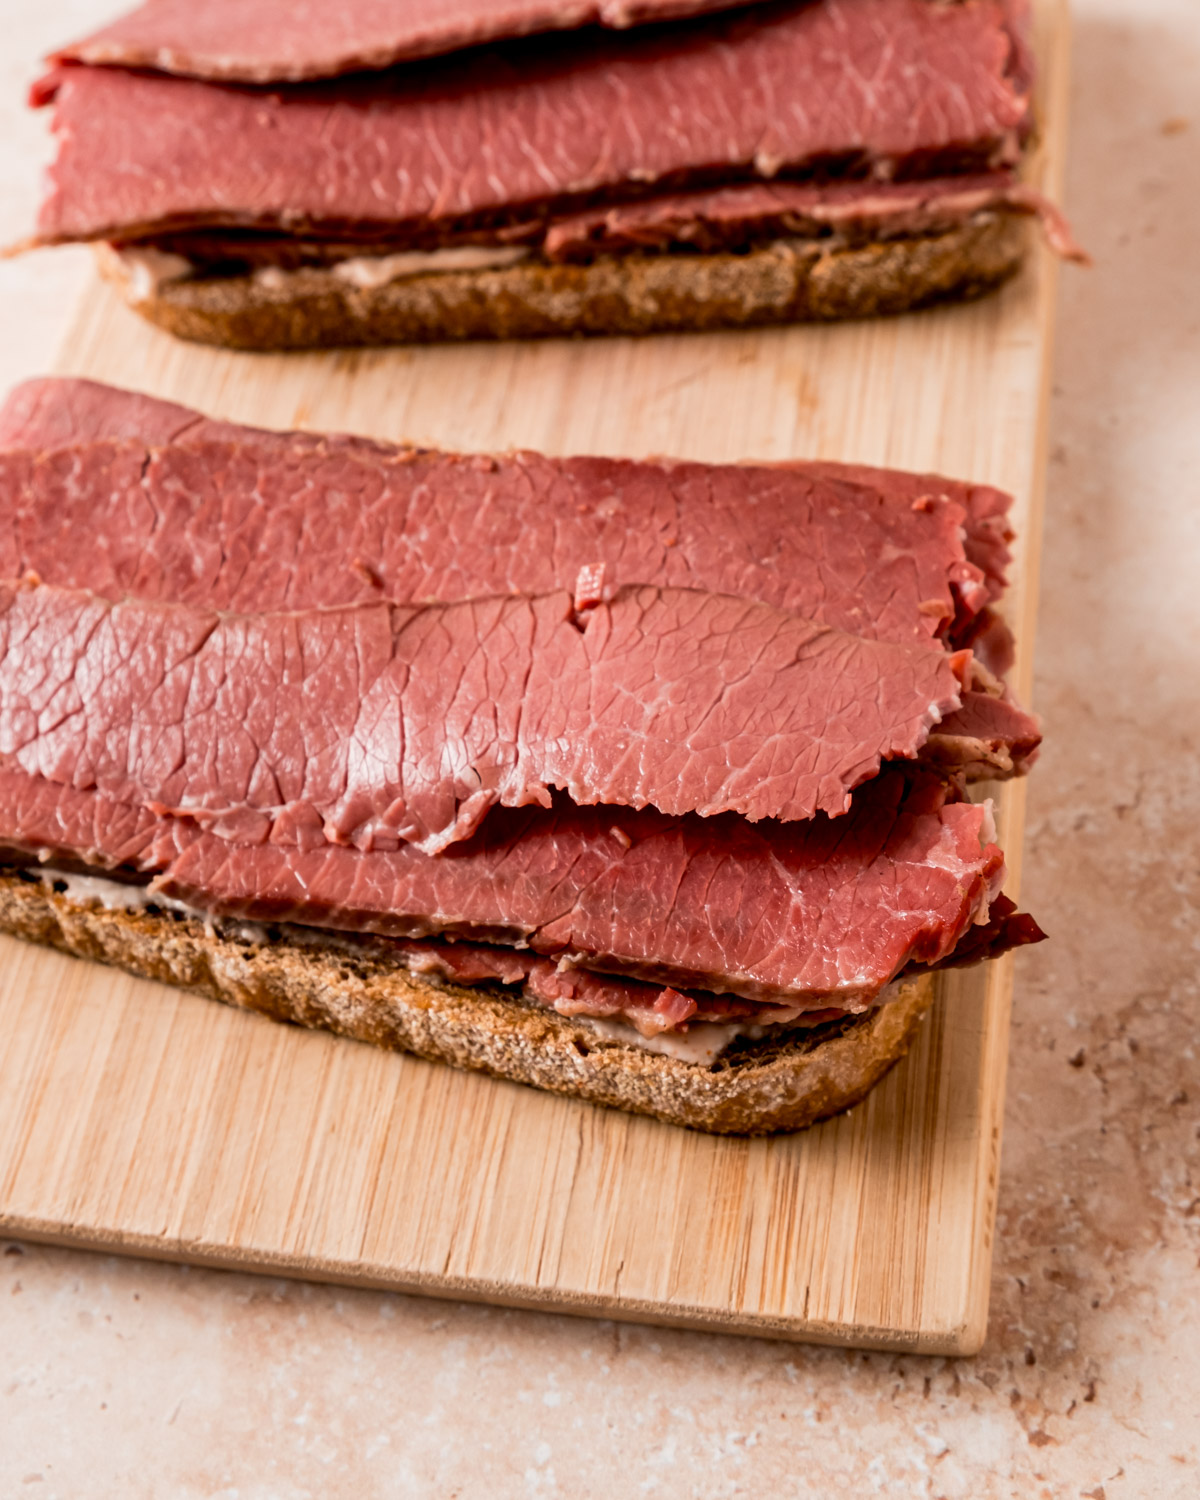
(955, 1339)
(994, 1081)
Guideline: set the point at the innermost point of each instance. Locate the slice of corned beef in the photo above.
(989, 736)
(742, 215)
(277, 42)
(872, 88)
(122, 494)
(987, 533)
(1005, 930)
(57, 412)
(381, 723)
(211, 513)
(652, 1009)
(809, 912)
(711, 220)
(819, 914)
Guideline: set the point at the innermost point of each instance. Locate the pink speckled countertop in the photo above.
(120, 1379)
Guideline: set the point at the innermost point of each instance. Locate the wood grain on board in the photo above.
(140, 1119)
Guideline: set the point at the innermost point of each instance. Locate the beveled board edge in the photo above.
(952, 1341)
(1051, 173)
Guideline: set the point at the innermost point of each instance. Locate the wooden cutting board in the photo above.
(139, 1119)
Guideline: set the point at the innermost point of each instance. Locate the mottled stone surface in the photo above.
(129, 1380)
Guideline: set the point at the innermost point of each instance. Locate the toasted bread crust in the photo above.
(361, 992)
(793, 281)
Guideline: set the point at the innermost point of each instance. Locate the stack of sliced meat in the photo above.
(263, 135)
(672, 743)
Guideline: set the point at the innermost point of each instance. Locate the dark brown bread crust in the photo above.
(360, 992)
(796, 281)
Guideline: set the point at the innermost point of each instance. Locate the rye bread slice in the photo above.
(358, 990)
(790, 281)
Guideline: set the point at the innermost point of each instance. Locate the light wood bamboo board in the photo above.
(136, 1118)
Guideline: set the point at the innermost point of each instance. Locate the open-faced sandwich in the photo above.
(643, 782)
(274, 176)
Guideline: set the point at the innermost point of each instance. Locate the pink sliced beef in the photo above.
(286, 40)
(661, 921)
(653, 1009)
(873, 88)
(119, 493)
(818, 915)
(378, 724)
(55, 412)
(745, 214)
(214, 514)
(739, 217)
(989, 737)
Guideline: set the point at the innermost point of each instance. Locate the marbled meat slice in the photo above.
(119, 493)
(884, 88)
(989, 737)
(277, 42)
(816, 915)
(122, 494)
(381, 723)
(712, 220)
(651, 1009)
(742, 215)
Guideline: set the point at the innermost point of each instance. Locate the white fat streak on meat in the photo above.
(591, 587)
